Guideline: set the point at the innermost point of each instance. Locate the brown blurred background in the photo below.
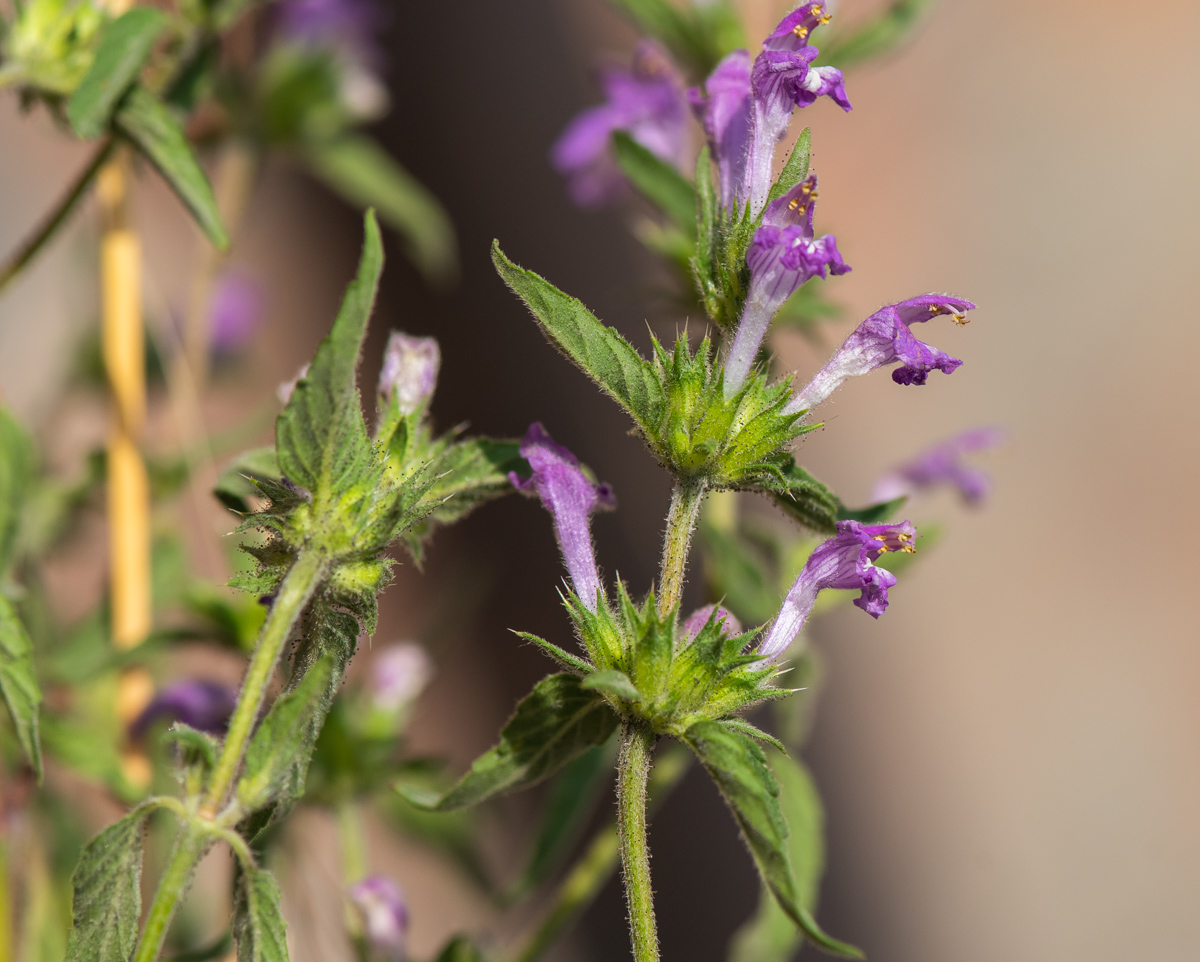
(1009, 758)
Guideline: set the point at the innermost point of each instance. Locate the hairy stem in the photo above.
(19, 259)
(190, 844)
(681, 521)
(633, 774)
(293, 595)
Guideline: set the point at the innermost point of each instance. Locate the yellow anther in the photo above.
(961, 320)
(935, 308)
(806, 188)
(800, 31)
(793, 203)
(812, 194)
(825, 19)
(815, 10)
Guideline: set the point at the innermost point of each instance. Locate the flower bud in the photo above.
(398, 676)
(384, 914)
(410, 370)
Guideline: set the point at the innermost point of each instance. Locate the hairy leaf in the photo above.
(282, 737)
(320, 437)
(796, 168)
(16, 470)
(472, 472)
(613, 682)
(124, 47)
(554, 724)
(147, 122)
(660, 182)
(738, 766)
(877, 513)
(19, 684)
(258, 926)
(366, 175)
(108, 897)
(802, 496)
(236, 482)
(602, 353)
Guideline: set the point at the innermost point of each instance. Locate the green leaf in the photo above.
(698, 35)
(460, 948)
(281, 737)
(108, 896)
(738, 766)
(124, 47)
(258, 926)
(367, 176)
(236, 482)
(796, 168)
(802, 496)
(612, 682)
(737, 576)
(16, 471)
(147, 122)
(554, 724)
(18, 683)
(320, 437)
(602, 353)
(770, 935)
(565, 659)
(879, 35)
(472, 472)
(661, 183)
(872, 514)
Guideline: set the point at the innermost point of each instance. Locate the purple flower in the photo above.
(782, 256)
(204, 705)
(723, 109)
(647, 102)
(348, 25)
(571, 497)
(885, 338)
(696, 621)
(398, 675)
(410, 370)
(844, 561)
(943, 464)
(384, 913)
(234, 312)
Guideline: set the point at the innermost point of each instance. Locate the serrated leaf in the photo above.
(281, 737)
(796, 168)
(236, 482)
(108, 898)
(16, 471)
(612, 682)
(320, 437)
(602, 353)
(770, 936)
(367, 176)
(657, 180)
(19, 684)
(876, 513)
(802, 496)
(124, 47)
(472, 472)
(258, 926)
(879, 35)
(564, 658)
(738, 766)
(147, 122)
(554, 724)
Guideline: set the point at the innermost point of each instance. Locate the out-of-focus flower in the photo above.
(943, 464)
(696, 621)
(347, 25)
(844, 561)
(398, 675)
(885, 338)
(384, 914)
(284, 391)
(646, 102)
(234, 312)
(723, 108)
(570, 496)
(782, 256)
(204, 705)
(410, 371)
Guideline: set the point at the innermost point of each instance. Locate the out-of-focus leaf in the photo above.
(19, 684)
(367, 176)
(124, 47)
(657, 180)
(16, 470)
(236, 481)
(873, 513)
(698, 35)
(554, 724)
(258, 926)
(882, 33)
(738, 577)
(147, 122)
(460, 948)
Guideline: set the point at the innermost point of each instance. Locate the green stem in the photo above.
(190, 844)
(293, 595)
(633, 774)
(19, 259)
(681, 520)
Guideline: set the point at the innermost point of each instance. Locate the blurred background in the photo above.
(1009, 758)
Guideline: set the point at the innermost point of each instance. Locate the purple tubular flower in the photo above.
(571, 497)
(885, 338)
(384, 912)
(204, 705)
(696, 621)
(234, 312)
(782, 256)
(794, 29)
(844, 561)
(943, 464)
(410, 370)
(647, 102)
(723, 109)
